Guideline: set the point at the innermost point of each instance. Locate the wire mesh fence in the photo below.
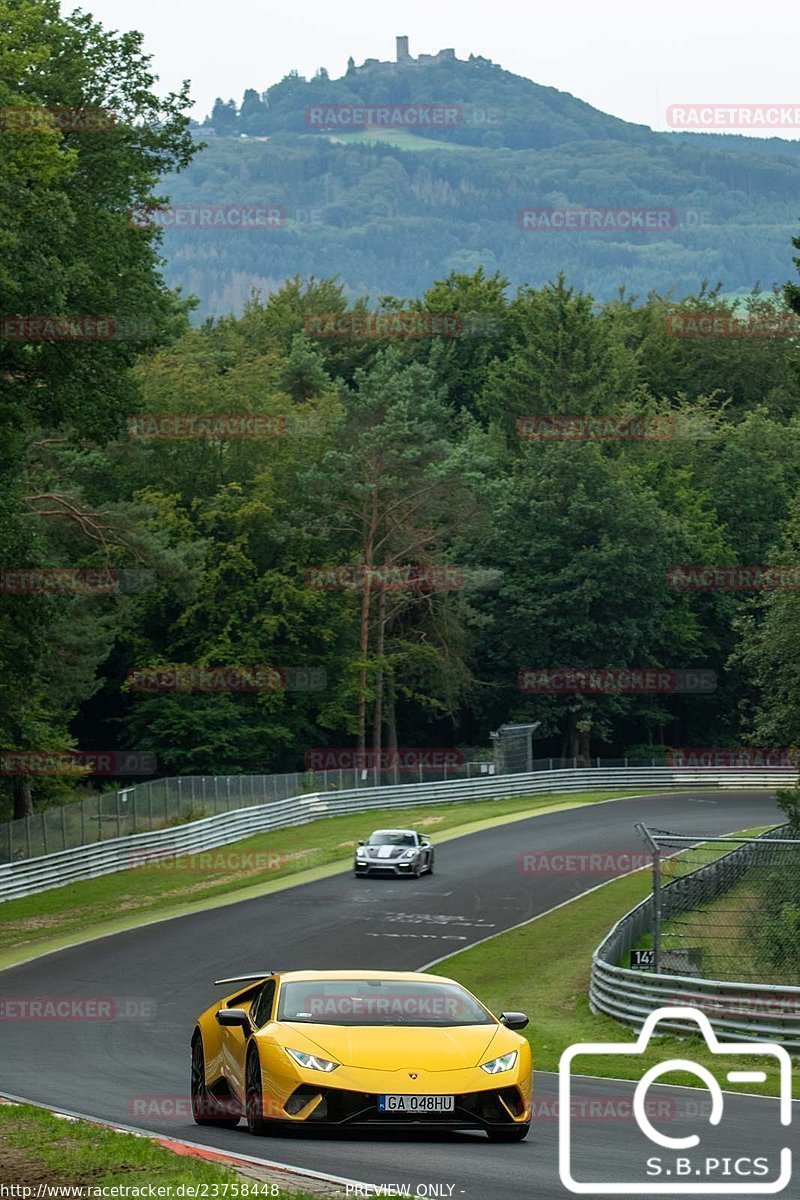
(161, 803)
(726, 908)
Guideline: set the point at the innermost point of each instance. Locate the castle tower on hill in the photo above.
(403, 58)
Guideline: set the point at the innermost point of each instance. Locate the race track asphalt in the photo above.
(162, 975)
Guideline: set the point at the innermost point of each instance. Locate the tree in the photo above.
(303, 373)
(792, 290)
(69, 250)
(564, 359)
(485, 335)
(583, 548)
(393, 499)
(769, 649)
(224, 118)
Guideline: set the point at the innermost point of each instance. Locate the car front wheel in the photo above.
(207, 1109)
(254, 1096)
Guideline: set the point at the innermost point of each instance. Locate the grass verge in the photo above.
(732, 935)
(239, 871)
(543, 969)
(38, 1148)
(403, 140)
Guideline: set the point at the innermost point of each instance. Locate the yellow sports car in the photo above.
(360, 1049)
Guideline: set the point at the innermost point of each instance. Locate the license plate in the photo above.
(416, 1104)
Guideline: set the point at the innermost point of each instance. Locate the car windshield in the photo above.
(390, 837)
(380, 1002)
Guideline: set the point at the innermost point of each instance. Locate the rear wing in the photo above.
(244, 978)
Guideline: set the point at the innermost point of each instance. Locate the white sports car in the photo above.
(394, 852)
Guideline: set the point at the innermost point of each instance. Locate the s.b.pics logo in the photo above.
(683, 1161)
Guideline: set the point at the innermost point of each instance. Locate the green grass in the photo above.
(724, 931)
(92, 907)
(39, 1148)
(543, 969)
(401, 139)
(734, 955)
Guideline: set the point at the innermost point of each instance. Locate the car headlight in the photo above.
(311, 1062)
(361, 854)
(409, 854)
(504, 1063)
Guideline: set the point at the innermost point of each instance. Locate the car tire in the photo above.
(254, 1101)
(517, 1133)
(430, 866)
(206, 1108)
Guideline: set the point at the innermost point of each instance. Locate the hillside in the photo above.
(391, 210)
(497, 107)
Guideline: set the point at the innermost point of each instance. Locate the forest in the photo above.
(392, 210)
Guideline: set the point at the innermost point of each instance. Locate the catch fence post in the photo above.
(657, 905)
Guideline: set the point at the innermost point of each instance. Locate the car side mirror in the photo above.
(514, 1020)
(362, 842)
(233, 1017)
(425, 841)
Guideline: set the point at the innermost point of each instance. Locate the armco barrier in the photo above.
(153, 804)
(102, 858)
(737, 1011)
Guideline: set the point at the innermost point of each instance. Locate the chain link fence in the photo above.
(726, 909)
(161, 803)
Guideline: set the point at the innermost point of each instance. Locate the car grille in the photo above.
(475, 1110)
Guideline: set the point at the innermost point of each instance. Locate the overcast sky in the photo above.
(627, 57)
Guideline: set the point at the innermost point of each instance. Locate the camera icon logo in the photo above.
(677, 1171)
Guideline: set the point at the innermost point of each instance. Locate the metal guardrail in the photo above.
(740, 1011)
(117, 854)
(173, 800)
